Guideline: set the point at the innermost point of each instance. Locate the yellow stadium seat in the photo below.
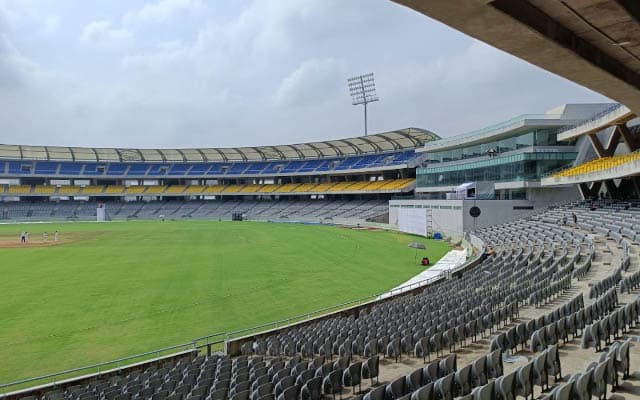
(114, 189)
(214, 189)
(69, 190)
(175, 189)
(41, 189)
(599, 164)
(18, 189)
(136, 189)
(232, 188)
(195, 189)
(288, 188)
(155, 189)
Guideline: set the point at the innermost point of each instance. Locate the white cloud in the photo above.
(314, 81)
(16, 70)
(161, 11)
(250, 72)
(101, 32)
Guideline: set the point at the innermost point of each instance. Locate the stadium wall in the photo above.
(452, 219)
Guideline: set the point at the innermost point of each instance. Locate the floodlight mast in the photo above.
(363, 91)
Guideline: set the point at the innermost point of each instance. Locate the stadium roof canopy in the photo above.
(595, 43)
(403, 139)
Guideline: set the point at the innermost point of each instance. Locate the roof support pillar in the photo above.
(632, 141)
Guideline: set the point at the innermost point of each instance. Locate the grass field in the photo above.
(117, 289)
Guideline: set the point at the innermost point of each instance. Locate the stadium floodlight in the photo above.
(363, 91)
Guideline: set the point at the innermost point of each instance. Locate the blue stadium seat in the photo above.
(179, 169)
(218, 169)
(20, 167)
(46, 167)
(93, 169)
(311, 165)
(138, 169)
(117, 169)
(237, 168)
(348, 163)
(293, 166)
(274, 167)
(70, 168)
(326, 165)
(199, 169)
(158, 170)
(256, 168)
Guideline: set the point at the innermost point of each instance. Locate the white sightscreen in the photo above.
(413, 220)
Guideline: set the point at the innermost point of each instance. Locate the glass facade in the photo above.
(516, 167)
(536, 137)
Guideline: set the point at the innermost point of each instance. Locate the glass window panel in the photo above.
(525, 140)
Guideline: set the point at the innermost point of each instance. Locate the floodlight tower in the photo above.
(363, 91)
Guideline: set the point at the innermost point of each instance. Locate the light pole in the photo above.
(363, 91)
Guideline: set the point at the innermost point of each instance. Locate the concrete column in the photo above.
(632, 141)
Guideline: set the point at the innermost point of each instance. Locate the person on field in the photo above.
(23, 237)
(45, 237)
(26, 237)
(55, 236)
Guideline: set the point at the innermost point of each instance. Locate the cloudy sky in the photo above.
(189, 73)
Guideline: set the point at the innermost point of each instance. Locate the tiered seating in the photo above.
(41, 189)
(195, 189)
(397, 184)
(341, 187)
(19, 189)
(351, 186)
(69, 190)
(524, 295)
(305, 187)
(322, 187)
(64, 169)
(155, 190)
(271, 188)
(599, 164)
(252, 188)
(288, 188)
(214, 189)
(114, 189)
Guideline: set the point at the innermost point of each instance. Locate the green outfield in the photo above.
(116, 289)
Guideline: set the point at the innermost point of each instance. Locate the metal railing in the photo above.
(215, 342)
(594, 117)
(98, 368)
(496, 128)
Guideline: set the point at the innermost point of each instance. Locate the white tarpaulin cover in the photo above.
(413, 220)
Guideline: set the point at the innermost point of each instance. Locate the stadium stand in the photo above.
(599, 164)
(551, 294)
